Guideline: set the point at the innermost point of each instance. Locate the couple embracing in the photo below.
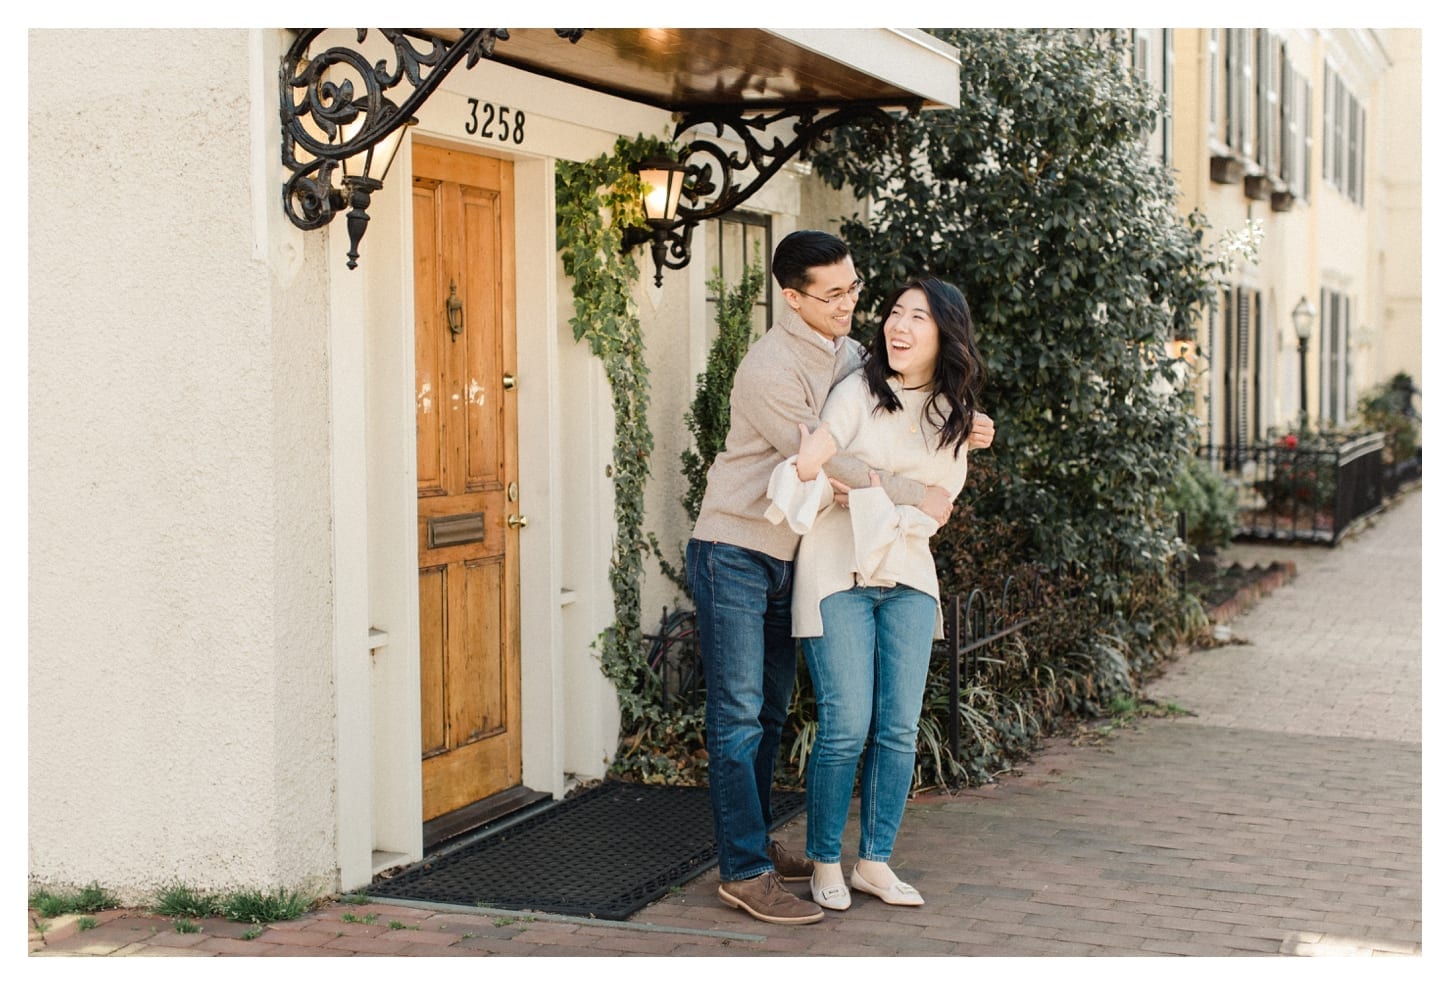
(839, 465)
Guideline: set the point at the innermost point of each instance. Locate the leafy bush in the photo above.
(1208, 503)
(1390, 407)
(1036, 198)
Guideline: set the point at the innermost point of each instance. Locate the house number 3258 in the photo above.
(495, 122)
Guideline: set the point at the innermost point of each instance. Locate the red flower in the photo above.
(1291, 441)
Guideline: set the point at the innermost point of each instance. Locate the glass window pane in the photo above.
(712, 253)
(735, 241)
(731, 252)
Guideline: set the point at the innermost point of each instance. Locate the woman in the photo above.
(865, 602)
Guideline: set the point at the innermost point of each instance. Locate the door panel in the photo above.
(427, 239)
(432, 604)
(467, 461)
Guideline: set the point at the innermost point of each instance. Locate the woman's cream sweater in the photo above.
(874, 542)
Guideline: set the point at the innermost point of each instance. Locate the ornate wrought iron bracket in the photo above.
(337, 105)
(703, 199)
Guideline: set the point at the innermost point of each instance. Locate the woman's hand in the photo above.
(817, 447)
(983, 430)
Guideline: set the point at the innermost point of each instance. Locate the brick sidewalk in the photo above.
(1281, 817)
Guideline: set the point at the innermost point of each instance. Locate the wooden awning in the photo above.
(686, 69)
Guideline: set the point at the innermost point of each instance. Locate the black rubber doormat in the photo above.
(605, 853)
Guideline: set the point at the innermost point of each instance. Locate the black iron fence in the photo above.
(975, 626)
(672, 656)
(1309, 489)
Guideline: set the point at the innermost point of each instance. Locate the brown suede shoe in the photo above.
(764, 898)
(789, 866)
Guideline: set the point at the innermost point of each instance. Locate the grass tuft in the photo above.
(250, 906)
(183, 901)
(91, 899)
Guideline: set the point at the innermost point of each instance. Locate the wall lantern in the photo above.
(662, 179)
(1184, 349)
(1303, 318)
(361, 175)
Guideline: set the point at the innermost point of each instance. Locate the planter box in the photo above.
(1225, 170)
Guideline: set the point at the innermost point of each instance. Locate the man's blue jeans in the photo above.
(869, 672)
(742, 609)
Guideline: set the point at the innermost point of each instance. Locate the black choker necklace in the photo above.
(922, 387)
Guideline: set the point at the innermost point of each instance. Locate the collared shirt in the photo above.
(833, 344)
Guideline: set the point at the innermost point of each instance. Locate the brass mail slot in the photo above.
(461, 528)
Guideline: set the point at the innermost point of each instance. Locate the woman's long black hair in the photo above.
(956, 386)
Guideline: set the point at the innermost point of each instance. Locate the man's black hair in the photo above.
(802, 250)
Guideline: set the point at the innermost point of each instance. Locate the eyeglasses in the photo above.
(851, 292)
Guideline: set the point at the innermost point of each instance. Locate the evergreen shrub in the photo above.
(1037, 197)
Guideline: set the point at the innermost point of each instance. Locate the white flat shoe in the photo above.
(897, 894)
(833, 897)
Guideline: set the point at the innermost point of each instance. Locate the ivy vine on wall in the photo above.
(595, 202)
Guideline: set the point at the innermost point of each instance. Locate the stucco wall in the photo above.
(665, 325)
(180, 664)
(1398, 261)
(1368, 252)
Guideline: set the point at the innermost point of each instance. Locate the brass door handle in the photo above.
(516, 521)
(455, 309)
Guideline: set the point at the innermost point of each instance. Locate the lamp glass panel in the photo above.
(657, 193)
(387, 149)
(356, 165)
(662, 192)
(677, 182)
(364, 163)
(1303, 318)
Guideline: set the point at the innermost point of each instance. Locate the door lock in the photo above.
(509, 382)
(516, 521)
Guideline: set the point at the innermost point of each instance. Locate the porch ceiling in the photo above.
(682, 69)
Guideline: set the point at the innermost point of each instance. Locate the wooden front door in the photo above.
(468, 494)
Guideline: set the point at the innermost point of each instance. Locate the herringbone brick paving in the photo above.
(1281, 817)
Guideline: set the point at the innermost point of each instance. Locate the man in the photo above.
(739, 564)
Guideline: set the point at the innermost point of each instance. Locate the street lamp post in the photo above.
(1303, 317)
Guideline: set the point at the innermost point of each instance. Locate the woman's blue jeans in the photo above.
(869, 671)
(742, 610)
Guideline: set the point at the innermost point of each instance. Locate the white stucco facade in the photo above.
(181, 604)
